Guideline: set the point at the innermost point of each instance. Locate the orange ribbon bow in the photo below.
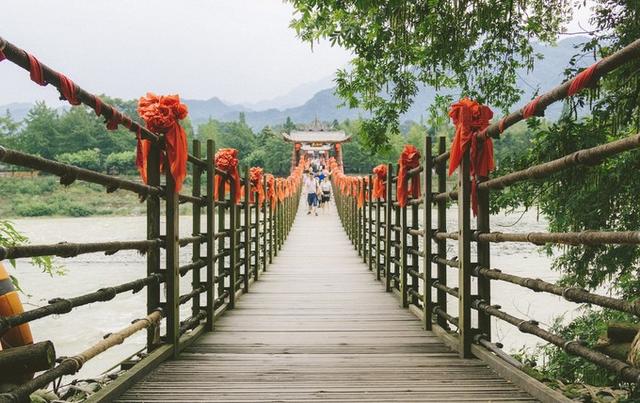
(162, 114)
(380, 181)
(226, 160)
(255, 177)
(409, 159)
(471, 119)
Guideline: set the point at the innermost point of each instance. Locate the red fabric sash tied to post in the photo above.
(280, 189)
(255, 177)
(271, 191)
(35, 70)
(379, 182)
(226, 160)
(361, 192)
(471, 119)
(582, 80)
(68, 89)
(409, 159)
(162, 114)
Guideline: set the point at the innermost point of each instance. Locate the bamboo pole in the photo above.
(572, 294)
(58, 306)
(71, 365)
(627, 372)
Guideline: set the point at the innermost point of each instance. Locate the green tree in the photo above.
(601, 197)
(276, 155)
(358, 158)
(476, 46)
(289, 125)
(236, 135)
(40, 134)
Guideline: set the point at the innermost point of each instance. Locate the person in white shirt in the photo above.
(310, 185)
(325, 186)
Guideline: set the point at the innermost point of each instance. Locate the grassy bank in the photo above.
(44, 196)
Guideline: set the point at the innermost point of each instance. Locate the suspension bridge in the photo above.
(352, 305)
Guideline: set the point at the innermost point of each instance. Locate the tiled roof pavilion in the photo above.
(316, 136)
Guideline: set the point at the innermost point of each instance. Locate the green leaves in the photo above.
(9, 236)
(476, 46)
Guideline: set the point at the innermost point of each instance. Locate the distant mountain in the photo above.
(295, 97)
(317, 99)
(548, 73)
(324, 105)
(214, 108)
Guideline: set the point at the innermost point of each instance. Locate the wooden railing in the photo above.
(238, 243)
(406, 247)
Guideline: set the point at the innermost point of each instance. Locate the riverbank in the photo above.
(43, 196)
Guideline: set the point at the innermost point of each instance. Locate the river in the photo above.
(75, 331)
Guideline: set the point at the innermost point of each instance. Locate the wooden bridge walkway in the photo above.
(318, 326)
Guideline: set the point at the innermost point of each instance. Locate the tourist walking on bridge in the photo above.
(311, 188)
(325, 186)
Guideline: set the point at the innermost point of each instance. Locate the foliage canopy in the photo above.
(476, 46)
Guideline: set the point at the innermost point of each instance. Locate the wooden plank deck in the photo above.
(319, 327)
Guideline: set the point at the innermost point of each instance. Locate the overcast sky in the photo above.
(237, 50)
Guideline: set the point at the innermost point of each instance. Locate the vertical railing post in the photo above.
(379, 247)
(265, 227)
(153, 233)
(464, 256)
(397, 238)
(484, 284)
(442, 227)
(224, 235)
(276, 227)
(355, 223)
(270, 230)
(404, 258)
(195, 226)
(428, 234)
(363, 223)
(247, 231)
(211, 298)
(387, 228)
(256, 237)
(279, 215)
(172, 272)
(415, 266)
(233, 242)
(369, 200)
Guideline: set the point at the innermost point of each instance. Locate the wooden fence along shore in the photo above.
(380, 213)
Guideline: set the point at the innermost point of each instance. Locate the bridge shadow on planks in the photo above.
(317, 326)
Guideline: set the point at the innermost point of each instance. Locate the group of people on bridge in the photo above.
(317, 185)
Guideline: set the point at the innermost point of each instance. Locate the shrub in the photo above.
(75, 210)
(122, 163)
(88, 159)
(35, 209)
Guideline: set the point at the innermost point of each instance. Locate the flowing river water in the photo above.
(75, 331)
